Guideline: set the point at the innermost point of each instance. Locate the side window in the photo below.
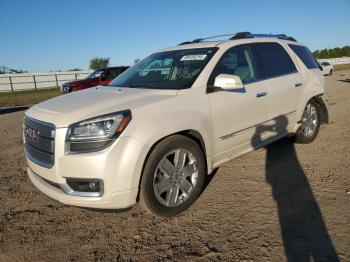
(305, 55)
(106, 75)
(238, 61)
(274, 60)
(121, 70)
(114, 73)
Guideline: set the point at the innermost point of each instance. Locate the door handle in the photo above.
(260, 94)
(298, 84)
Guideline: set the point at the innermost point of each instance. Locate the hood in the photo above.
(77, 106)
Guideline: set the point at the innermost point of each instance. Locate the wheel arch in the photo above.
(190, 133)
(324, 116)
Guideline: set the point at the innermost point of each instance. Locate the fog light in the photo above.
(84, 185)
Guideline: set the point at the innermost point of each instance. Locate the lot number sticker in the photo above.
(193, 57)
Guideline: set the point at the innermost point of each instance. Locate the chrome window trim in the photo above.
(210, 89)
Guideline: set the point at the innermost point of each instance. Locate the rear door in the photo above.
(283, 79)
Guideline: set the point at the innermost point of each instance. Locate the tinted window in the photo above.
(237, 61)
(114, 73)
(305, 55)
(106, 75)
(274, 60)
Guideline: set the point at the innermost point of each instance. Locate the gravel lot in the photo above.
(283, 202)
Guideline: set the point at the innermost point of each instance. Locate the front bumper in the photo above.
(115, 200)
(119, 168)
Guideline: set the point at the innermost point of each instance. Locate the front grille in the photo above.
(39, 142)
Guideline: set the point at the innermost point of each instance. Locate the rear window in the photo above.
(305, 55)
(274, 60)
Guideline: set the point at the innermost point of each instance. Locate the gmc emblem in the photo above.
(32, 134)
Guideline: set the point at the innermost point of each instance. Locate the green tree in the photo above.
(332, 52)
(99, 62)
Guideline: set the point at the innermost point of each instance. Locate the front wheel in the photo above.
(173, 176)
(310, 123)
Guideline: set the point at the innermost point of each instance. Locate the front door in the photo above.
(236, 114)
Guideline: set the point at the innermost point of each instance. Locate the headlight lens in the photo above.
(95, 133)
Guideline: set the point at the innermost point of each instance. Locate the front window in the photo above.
(96, 73)
(238, 61)
(166, 70)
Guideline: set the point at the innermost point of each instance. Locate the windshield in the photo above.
(96, 73)
(166, 70)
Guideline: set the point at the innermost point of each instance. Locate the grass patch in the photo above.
(341, 67)
(30, 97)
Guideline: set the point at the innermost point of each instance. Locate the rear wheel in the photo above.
(173, 176)
(310, 123)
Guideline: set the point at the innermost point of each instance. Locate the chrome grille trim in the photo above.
(41, 150)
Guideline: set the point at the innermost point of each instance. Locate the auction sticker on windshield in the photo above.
(193, 57)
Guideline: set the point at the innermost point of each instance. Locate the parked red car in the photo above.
(101, 76)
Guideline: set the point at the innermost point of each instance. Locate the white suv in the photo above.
(158, 129)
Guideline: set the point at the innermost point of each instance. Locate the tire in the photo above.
(330, 72)
(310, 126)
(166, 187)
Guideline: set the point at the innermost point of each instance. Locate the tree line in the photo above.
(101, 62)
(332, 52)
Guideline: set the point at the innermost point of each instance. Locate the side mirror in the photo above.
(228, 82)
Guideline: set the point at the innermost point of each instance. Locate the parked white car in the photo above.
(158, 129)
(327, 68)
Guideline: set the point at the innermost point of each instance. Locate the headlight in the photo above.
(96, 133)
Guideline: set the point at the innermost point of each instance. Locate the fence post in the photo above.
(76, 76)
(11, 83)
(56, 81)
(34, 83)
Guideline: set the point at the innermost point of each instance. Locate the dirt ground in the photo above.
(284, 202)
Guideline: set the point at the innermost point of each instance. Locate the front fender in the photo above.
(160, 126)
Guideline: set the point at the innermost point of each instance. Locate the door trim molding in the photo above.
(234, 133)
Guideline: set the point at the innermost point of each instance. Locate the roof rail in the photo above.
(198, 40)
(241, 35)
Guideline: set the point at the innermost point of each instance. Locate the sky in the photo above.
(49, 35)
